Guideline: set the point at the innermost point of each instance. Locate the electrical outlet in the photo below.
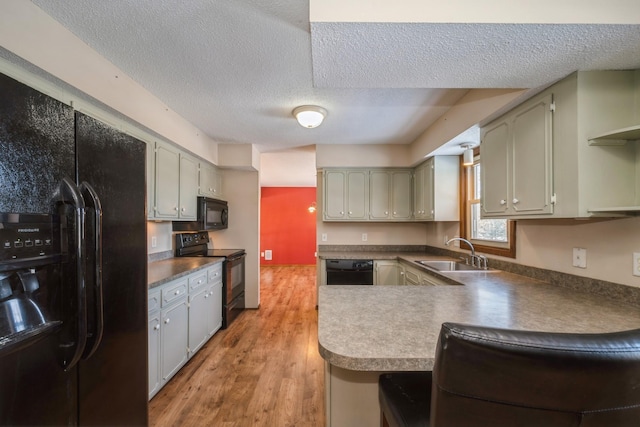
(324, 237)
(364, 237)
(154, 241)
(268, 255)
(580, 257)
(636, 263)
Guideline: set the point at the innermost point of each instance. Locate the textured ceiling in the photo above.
(236, 69)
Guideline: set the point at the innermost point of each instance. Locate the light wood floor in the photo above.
(264, 370)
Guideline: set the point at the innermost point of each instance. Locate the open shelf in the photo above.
(617, 136)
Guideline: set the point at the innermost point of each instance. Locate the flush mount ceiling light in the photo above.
(467, 155)
(309, 116)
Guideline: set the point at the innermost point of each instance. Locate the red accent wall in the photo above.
(286, 225)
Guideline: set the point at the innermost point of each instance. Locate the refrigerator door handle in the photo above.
(95, 336)
(68, 193)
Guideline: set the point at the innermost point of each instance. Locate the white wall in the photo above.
(289, 168)
(241, 190)
(549, 244)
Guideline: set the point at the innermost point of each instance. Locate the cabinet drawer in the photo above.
(173, 292)
(215, 273)
(197, 280)
(153, 303)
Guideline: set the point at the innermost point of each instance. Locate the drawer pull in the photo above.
(157, 327)
(177, 292)
(166, 321)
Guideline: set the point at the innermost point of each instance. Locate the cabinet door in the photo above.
(429, 200)
(210, 181)
(214, 318)
(531, 159)
(401, 195)
(335, 192)
(357, 194)
(206, 179)
(151, 179)
(418, 192)
(188, 187)
(174, 336)
(199, 309)
(411, 276)
(380, 195)
(154, 353)
(494, 156)
(167, 179)
(387, 273)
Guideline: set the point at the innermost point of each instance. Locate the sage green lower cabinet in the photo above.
(183, 315)
(393, 272)
(198, 307)
(386, 272)
(214, 298)
(155, 379)
(414, 276)
(174, 327)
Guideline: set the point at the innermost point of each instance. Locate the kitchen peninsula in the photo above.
(366, 330)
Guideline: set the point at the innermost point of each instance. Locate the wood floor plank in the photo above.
(265, 370)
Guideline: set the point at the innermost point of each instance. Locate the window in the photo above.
(492, 236)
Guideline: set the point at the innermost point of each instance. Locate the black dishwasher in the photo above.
(349, 272)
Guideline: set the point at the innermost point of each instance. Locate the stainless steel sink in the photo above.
(452, 266)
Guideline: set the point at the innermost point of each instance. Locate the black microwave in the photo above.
(213, 214)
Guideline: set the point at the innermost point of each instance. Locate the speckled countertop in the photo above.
(395, 328)
(161, 272)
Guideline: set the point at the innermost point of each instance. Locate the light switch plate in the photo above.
(580, 257)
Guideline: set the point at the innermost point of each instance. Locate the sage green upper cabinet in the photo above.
(549, 157)
(346, 195)
(167, 181)
(188, 187)
(173, 191)
(436, 189)
(516, 159)
(210, 181)
(390, 195)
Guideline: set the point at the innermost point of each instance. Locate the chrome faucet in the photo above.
(473, 250)
(480, 259)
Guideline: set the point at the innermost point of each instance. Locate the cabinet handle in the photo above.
(503, 202)
(515, 201)
(386, 213)
(395, 213)
(157, 327)
(350, 212)
(166, 321)
(175, 208)
(177, 292)
(183, 209)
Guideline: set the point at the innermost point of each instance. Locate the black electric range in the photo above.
(233, 270)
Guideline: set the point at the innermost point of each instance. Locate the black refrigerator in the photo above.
(73, 256)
